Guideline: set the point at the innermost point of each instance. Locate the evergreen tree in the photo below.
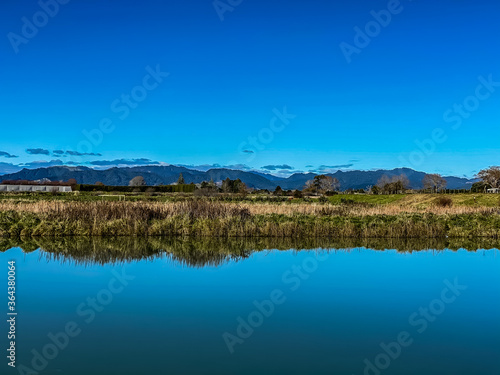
(181, 181)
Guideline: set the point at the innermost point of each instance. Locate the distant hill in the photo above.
(164, 175)
(362, 179)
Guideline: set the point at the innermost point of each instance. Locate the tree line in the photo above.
(319, 185)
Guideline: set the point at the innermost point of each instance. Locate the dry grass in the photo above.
(126, 210)
(212, 210)
(407, 218)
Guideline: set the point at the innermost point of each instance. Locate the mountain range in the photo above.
(165, 175)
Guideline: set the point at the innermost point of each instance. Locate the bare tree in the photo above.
(401, 183)
(137, 181)
(434, 182)
(322, 184)
(309, 184)
(327, 183)
(207, 189)
(490, 176)
(384, 183)
(394, 185)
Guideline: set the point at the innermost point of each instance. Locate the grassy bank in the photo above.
(405, 217)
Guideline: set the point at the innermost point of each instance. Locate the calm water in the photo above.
(222, 308)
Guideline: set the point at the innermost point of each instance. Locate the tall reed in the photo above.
(217, 219)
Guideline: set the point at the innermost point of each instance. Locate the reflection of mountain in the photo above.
(201, 252)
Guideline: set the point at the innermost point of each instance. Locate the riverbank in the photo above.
(205, 218)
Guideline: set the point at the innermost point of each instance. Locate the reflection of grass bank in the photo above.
(202, 218)
(198, 252)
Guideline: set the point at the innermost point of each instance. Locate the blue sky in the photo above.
(251, 85)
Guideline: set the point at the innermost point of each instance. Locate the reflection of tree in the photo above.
(201, 252)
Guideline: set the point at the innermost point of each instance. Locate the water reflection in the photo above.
(213, 252)
(179, 300)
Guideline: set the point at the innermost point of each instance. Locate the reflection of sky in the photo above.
(170, 318)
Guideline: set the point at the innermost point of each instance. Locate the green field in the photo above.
(365, 198)
(421, 200)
